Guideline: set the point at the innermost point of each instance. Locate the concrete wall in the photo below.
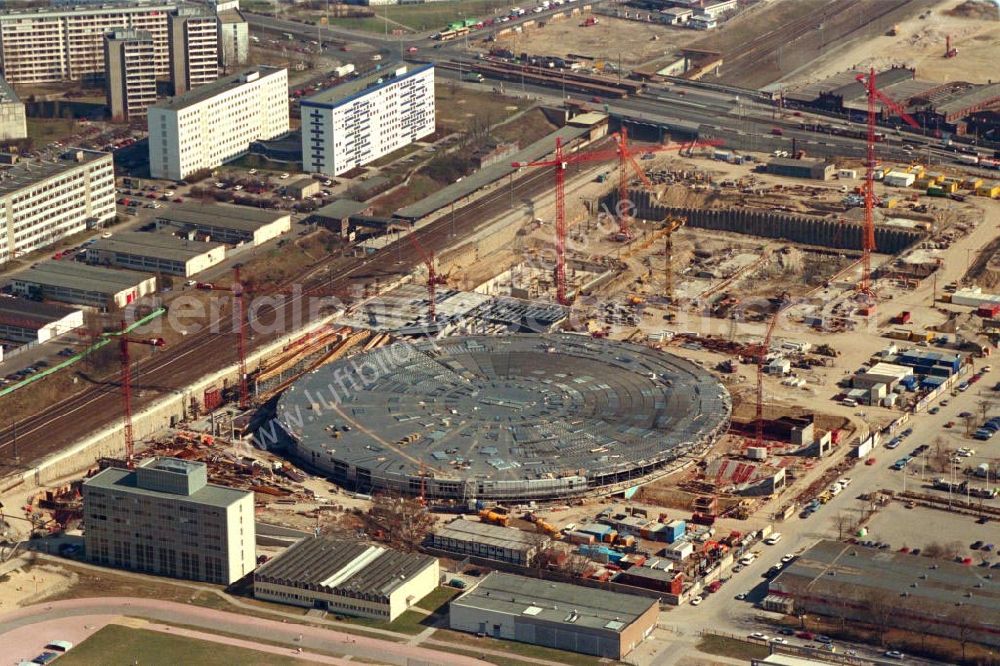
(796, 228)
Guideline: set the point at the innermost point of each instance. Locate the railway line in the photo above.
(74, 417)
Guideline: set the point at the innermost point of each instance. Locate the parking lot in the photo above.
(925, 528)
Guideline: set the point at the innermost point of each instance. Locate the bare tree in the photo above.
(965, 622)
(970, 424)
(985, 405)
(843, 524)
(879, 612)
(401, 522)
(934, 549)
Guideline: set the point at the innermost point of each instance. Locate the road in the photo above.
(90, 611)
(175, 368)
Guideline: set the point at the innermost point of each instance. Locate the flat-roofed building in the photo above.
(44, 201)
(53, 44)
(156, 253)
(73, 282)
(931, 596)
(193, 33)
(234, 40)
(227, 224)
(492, 542)
(217, 122)
(352, 124)
(804, 168)
(129, 73)
(555, 615)
(22, 320)
(13, 121)
(347, 577)
(165, 518)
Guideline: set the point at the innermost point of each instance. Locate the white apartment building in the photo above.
(129, 73)
(43, 201)
(51, 44)
(215, 123)
(193, 33)
(164, 517)
(352, 124)
(13, 121)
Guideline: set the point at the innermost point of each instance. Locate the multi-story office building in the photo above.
(193, 33)
(13, 122)
(216, 123)
(42, 201)
(164, 517)
(350, 125)
(129, 73)
(55, 44)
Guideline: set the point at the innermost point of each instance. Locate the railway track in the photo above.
(74, 417)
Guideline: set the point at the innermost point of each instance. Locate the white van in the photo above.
(773, 539)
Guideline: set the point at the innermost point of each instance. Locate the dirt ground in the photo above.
(631, 42)
(23, 583)
(921, 44)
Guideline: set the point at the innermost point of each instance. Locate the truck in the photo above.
(474, 77)
(344, 70)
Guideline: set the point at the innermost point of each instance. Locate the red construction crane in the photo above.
(874, 96)
(433, 279)
(239, 310)
(559, 163)
(126, 383)
(760, 353)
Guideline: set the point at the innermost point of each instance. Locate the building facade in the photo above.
(347, 577)
(234, 40)
(352, 124)
(129, 73)
(13, 121)
(164, 518)
(216, 123)
(22, 320)
(234, 225)
(156, 253)
(193, 33)
(43, 202)
(73, 282)
(62, 44)
(555, 615)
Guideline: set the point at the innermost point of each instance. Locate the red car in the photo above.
(807, 635)
(870, 461)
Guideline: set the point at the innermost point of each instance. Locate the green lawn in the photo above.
(424, 17)
(44, 130)
(732, 647)
(116, 645)
(407, 623)
(517, 649)
(438, 598)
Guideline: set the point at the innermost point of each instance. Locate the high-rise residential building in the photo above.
(193, 33)
(54, 44)
(350, 125)
(43, 201)
(216, 123)
(13, 122)
(164, 517)
(129, 73)
(234, 40)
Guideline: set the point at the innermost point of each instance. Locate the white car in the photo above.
(237, 188)
(779, 640)
(787, 558)
(759, 635)
(844, 482)
(283, 176)
(168, 193)
(252, 172)
(696, 601)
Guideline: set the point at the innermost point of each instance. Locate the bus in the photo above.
(446, 35)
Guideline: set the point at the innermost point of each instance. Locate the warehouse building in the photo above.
(13, 121)
(65, 43)
(156, 253)
(303, 188)
(22, 320)
(937, 597)
(129, 74)
(491, 542)
(337, 216)
(233, 225)
(217, 122)
(347, 577)
(791, 168)
(352, 124)
(73, 282)
(44, 201)
(165, 518)
(555, 615)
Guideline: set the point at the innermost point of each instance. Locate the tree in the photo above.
(401, 522)
(964, 621)
(878, 611)
(843, 524)
(970, 424)
(985, 406)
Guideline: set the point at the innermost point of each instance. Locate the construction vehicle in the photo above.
(543, 526)
(635, 300)
(496, 515)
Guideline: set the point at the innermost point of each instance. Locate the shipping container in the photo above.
(211, 400)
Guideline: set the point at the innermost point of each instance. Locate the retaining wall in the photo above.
(796, 228)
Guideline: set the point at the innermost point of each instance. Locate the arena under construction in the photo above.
(502, 418)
